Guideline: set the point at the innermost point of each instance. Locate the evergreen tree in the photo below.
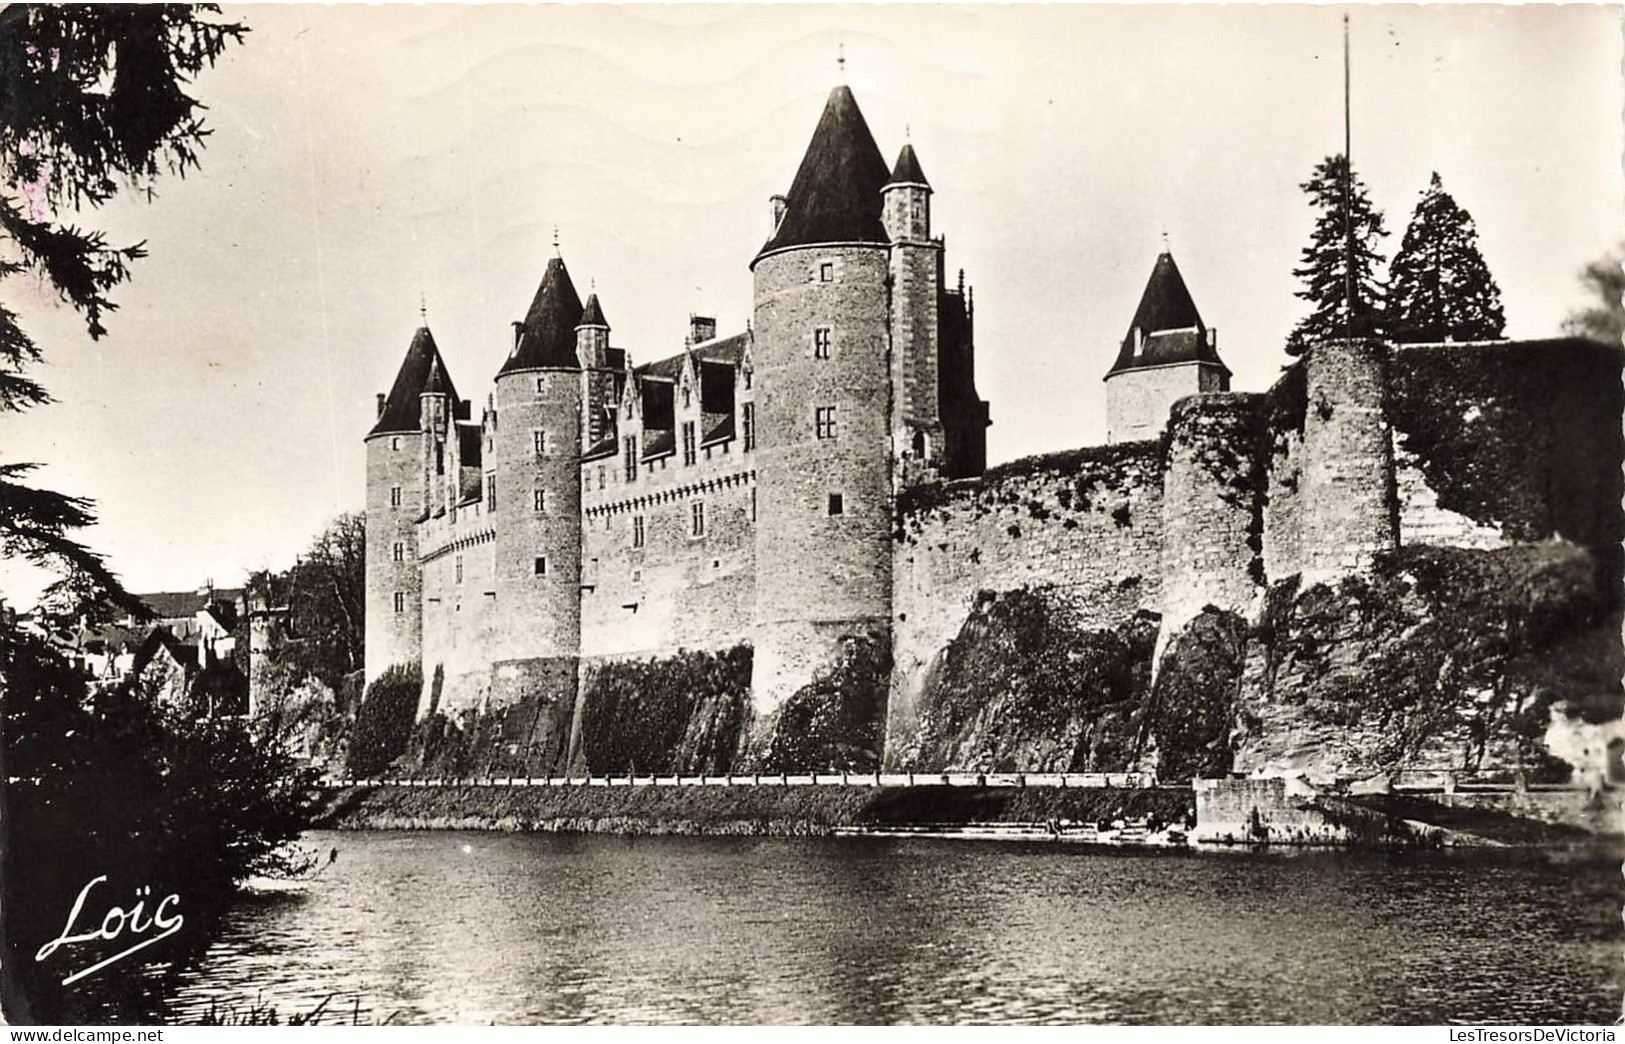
(1325, 266)
(92, 98)
(1439, 287)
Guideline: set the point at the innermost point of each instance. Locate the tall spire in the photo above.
(835, 197)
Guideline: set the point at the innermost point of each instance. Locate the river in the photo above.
(451, 927)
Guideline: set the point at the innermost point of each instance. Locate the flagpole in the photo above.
(1348, 178)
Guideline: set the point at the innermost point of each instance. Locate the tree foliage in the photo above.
(1440, 288)
(324, 595)
(128, 786)
(92, 98)
(1603, 317)
(383, 722)
(1340, 234)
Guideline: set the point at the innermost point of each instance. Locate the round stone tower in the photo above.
(823, 405)
(397, 449)
(535, 440)
(1348, 514)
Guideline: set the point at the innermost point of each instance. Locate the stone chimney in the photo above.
(701, 328)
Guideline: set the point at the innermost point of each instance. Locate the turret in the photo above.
(592, 336)
(535, 512)
(916, 268)
(908, 200)
(824, 440)
(1167, 354)
(597, 379)
(397, 492)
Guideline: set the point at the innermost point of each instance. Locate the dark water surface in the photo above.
(449, 927)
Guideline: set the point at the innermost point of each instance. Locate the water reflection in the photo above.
(477, 928)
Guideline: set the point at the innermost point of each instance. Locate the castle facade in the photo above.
(821, 478)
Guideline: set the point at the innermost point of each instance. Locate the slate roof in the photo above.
(547, 337)
(1166, 325)
(470, 447)
(907, 170)
(174, 605)
(401, 406)
(593, 314)
(659, 442)
(835, 197)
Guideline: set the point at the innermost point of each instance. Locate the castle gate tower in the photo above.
(397, 492)
(536, 436)
(824, 523)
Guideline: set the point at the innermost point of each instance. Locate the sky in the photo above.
(367, 161)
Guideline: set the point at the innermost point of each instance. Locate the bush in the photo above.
(121, 785)
(383, 722)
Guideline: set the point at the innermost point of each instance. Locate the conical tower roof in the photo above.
(1166, 328)
(907, 171)
(593, 314)
(401, 405)
(547, 337)
(835, 197)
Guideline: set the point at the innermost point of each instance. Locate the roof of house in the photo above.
(1166, 328)
(175, 605)
(402, 409)
(835, 197)
(547, 336)
(907, 171)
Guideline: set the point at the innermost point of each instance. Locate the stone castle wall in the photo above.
(677, 590)
(1088, 525)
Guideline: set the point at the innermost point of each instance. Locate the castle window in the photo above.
(490, 491)
(538, 442)
(541, 565)
(541, 385)
(688, 396)
(539, 500)
(747, 421)
(688, 442)
(753, 503)
(586, 483)
(400, 601)
(696, 519)
(459, 567)
(826, 272)
(750, 375)
(637, 530)
(439, 459)
(601, 476)
(398, 552)
(637, 576)
(629, 447)
(821, 343)
(837, 504)
(824, 422)
(394, 496)
(394, 442)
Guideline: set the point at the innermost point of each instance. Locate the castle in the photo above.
(821, 476)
